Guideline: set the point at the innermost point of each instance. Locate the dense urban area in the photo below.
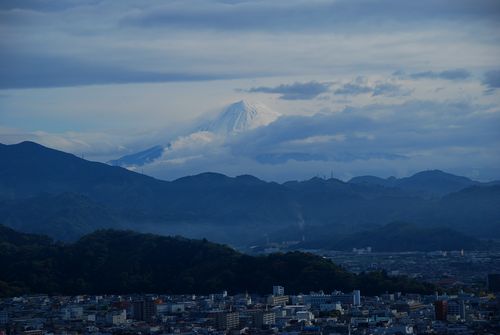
(314, 313)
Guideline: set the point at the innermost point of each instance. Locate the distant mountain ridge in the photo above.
(431, 182)
(55, 213)
(48, 191)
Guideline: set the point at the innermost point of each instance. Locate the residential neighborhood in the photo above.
(314, 313)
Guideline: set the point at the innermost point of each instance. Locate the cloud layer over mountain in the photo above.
(388, 139)
(380, 87)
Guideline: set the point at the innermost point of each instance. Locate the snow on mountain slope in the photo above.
(139, 158)
(236, 118)
(241, 116)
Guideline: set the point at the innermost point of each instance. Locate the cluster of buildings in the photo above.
(315, 313)
(452, 270)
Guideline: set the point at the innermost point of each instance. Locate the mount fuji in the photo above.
(239, 117)
(235, 119)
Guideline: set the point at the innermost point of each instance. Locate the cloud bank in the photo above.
(121, 42)
(454, 74)
(398, 139)
(295, 91)
(379, 88)
(492, 79)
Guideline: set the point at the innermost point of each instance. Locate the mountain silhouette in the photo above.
(48, 191)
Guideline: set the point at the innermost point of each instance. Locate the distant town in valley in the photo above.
(451, 270)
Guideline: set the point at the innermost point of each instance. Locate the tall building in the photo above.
(277, 300)
(227, 320)
(144, 310)
(357, 297)
(263, 318)
(4, 317)
(456, 307)
(116, 317)
(278, 291)
(441, 309)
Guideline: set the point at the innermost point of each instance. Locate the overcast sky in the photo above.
(385, 87)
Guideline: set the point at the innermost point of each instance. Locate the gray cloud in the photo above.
(26, 71)
(492, 79)
(295, 91)
(208, 39)
(283, 158)
(45, 5)
(453, 74)
(387, 132)
(300, 15)
(390, 90)
(353, 89)
(359, 86)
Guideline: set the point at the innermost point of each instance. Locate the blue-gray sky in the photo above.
(383, 87)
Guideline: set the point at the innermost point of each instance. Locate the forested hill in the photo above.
(110, 261)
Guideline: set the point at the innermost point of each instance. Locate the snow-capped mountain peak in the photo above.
(234, 119)
(241, 116)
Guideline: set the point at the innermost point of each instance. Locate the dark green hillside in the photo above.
(111, 261)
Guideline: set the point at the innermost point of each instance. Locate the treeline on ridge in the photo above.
(110, 261)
